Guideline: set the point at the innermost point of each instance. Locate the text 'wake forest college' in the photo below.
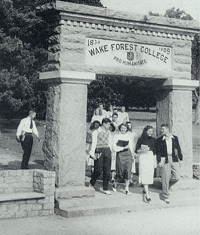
(131, 47)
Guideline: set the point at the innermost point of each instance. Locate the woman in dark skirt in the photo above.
(146, 150)
(123, 145)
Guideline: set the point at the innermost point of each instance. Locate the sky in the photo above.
(157, 6)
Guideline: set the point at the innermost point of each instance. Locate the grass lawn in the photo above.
(10, 150)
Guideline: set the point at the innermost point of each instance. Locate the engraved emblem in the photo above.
(130, 55)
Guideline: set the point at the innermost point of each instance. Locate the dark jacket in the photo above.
(161, 149)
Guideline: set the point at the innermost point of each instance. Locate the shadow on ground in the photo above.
(16, 165)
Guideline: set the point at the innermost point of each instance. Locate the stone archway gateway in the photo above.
(87, 41)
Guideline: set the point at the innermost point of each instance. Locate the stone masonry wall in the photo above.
(26, 181)
(72, 54)
(196, 170)
(68, 51)
(60, 154)
(51, 143)
(44, 182)
(68, 40)
(14, 181)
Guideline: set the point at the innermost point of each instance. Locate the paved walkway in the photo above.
(12, 161)
(177, 221)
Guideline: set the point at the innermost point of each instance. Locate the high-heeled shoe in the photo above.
(114, 187)
(147, 199)
(127, 192)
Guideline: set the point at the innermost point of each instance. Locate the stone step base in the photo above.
(120, 202)
(72, 201)
(71, 191)
(132, 206)
(180, 185)
(25, 206)
(136, 196)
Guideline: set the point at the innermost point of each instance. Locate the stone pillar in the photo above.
(174, 107)
(65, 138)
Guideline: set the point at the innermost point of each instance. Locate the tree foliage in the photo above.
(195, 68)
(23, 49)
(177, 14)
(96, 3)
(23, 54)
(120, 91)
(196, 75)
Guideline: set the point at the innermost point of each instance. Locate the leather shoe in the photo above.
(167, 200)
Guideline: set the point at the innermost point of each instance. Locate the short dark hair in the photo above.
(106, 120)
(130, 129)
(165, 125)
(93, 124)
(115, 114)
(31, 112)
(112, 127)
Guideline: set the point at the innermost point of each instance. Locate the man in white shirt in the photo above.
(24, 134)
(102, 111)
(123, 116)
(169, 157)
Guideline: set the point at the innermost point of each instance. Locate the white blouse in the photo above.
(97, 118)
(125, 137)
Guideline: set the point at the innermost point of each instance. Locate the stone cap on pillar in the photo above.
(180, 84)
(64, 76)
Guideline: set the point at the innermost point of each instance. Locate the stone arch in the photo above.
(74, 63)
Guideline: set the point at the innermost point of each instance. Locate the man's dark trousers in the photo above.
(102, 164)
(27, 145)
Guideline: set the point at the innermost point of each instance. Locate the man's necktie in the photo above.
(31, 125)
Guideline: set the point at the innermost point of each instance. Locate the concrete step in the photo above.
(131, 206)
(120, 195)
(182, 189)
(181, 184)
(120, 202)
(71, 191)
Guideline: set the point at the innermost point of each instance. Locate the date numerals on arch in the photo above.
(165, 50)
(92, 42)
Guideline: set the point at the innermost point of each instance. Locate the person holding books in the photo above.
(123, 145)
(24, 135)
(169, 157)
(101, 153)
(146, 150)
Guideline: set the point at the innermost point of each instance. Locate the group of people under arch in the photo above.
(112, 149)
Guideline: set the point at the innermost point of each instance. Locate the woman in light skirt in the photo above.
(146, 150)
